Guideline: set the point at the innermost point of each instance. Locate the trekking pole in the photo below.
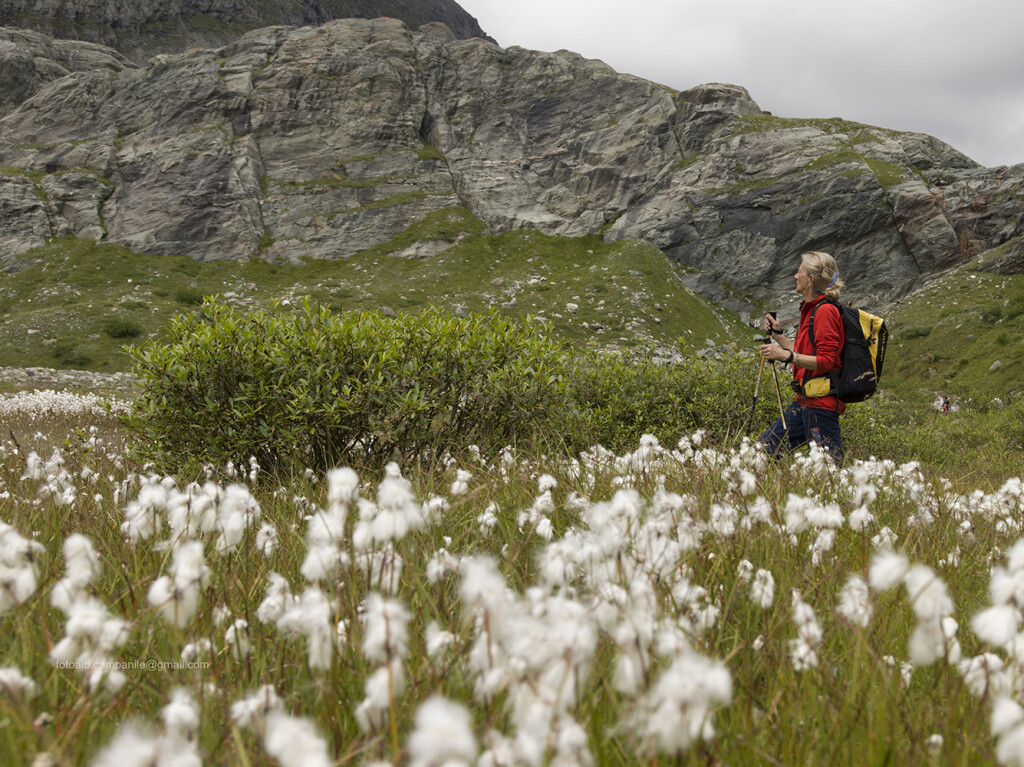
(778, 393)
(757, 390)
(775, 374)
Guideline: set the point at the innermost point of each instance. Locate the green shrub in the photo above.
(319, 389)
(1015, 307)
(990, 315)
(121, 328)
(69, 353)
(1013, 425)
(916, 331)
(189, 296)
(624, 396)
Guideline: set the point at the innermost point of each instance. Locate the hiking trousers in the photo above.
(805, 424)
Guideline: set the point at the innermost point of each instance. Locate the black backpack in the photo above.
(863, 353)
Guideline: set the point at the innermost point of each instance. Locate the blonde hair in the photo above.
(821, 267)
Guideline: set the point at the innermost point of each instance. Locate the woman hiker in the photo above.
(814, 413)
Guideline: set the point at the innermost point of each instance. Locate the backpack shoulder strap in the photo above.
(810, 323)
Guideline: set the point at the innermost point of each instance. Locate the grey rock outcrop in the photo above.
(143, 28)
(320, 142)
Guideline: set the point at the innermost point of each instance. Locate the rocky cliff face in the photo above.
(143, 28)
(319, 142)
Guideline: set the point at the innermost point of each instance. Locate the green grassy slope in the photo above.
(961, 334)
(78, 303)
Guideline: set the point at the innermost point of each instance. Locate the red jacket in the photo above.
(829, 334)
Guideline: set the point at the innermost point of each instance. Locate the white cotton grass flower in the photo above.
(237, 639)
(928, 596)
(386, 635)
(443, 735)
(986, 675)
(434, 509)
(19, 567)
(381, 687)
(143, 518)
(997, 625)
(342, 490)
(177, 595)
(1006, 587)
(267, 540)
(278, 600)
(461, 484)
(237, 510)
(295, 742)
(81, 562)
(488, 519)
(193, 651)
(796, 513)
(884, 539)
(759, 512)
(92, 634)
(441, 564)
(822, 545)
(803, 650)
(395, 513)
(762, 589)
(438, 639)
(854, 602)
(133, 746)
(13, 682)
(1008, 729)
(382, 567)
(828, 516)
(680, 706)
(256, 707)
(136, 746)
(934, 636)
(571, 744)
(543, 504)
(44, 403)
(81, 567)
(887, 570)
(322, 563)
(310, 616)
(724, 518)
(181, 716)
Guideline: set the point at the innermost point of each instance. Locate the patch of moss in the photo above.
(429, 152)
(887, 173)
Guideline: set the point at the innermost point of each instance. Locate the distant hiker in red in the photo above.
(814, 413)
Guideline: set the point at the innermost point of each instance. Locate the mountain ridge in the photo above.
(320, 142)
(140, 29)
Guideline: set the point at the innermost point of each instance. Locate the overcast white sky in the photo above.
(954, 70)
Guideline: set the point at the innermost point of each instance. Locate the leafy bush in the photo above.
(1014, 307)
(630, 394)
(1013, 425)
(69, 353)
(121, 328)
(916, 331)
(321, 389)
(991, 314)
(189, 296)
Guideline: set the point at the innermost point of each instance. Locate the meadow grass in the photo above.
(75, 304)
(622, 594)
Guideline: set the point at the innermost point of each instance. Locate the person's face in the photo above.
(804, 281)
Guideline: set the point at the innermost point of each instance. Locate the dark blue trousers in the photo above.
(805, 424)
